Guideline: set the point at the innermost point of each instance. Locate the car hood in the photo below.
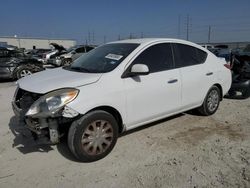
(52, 79)
(67, 55)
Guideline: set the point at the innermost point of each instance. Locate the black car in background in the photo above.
(15, 64)
(240, 66)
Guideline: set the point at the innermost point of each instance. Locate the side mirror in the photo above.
(136, 70)
(139, 69)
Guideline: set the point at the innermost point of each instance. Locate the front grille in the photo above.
(24, 99)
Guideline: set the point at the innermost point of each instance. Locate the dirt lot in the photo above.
(184, 151)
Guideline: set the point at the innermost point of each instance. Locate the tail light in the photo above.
(228, 66)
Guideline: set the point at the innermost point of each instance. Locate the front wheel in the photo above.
(23, 70)
(93, 136)
(66, 62)
(211, 102)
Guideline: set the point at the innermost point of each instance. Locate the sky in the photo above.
(100, 21)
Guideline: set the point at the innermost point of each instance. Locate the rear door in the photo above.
(79, 51)
(4, 56)
(156, 94)
(194, 74)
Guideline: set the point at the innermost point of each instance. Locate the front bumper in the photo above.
(41, 128)
(56, 62)
(51, 128)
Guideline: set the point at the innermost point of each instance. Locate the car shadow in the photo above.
(63, 149)
(235, 97)
(25, 143)
(4, 80)
(23, 140)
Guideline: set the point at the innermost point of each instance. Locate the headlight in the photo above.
(52, 102)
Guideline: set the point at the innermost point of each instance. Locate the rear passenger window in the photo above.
(80, 50)
(88, 48)
(157, 58)
(186, 55)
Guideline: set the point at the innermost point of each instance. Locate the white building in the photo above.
(31, 43)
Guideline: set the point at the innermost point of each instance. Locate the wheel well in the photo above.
(221, 91)
(114, 113)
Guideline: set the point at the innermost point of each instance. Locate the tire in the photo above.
(23, 70)
(66, 62)
(93, 136)
(211, 102)
(245, 93)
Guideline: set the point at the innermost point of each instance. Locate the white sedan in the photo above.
(117, 87)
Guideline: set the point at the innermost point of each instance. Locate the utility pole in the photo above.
(89, 38)
(142, 35)
(104, 39)
(209, 34)
(119, 37)
(130, 36)
(187, 26)
(93, 37)
(179, 26)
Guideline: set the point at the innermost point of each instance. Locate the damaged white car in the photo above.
(117, 87)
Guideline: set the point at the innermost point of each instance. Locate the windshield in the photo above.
(71, 49)
(103, 59)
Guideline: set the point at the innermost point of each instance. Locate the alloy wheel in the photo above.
(213, 100)
(24, 73)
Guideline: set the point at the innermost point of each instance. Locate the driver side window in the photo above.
(158, 58)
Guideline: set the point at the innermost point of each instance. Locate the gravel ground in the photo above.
(184, 151)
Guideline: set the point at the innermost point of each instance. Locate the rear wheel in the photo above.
(93, 136)
(211, 102)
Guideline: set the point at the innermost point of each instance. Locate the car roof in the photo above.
(145, 41)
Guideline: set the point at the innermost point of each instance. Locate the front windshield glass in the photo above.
(71, 49)
(103, 59)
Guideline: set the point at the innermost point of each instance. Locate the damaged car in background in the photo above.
(240, 66)
(56, 51)
(15, 64)
(117, 87)
(72, 54)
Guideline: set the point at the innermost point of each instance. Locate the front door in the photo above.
(157, 94)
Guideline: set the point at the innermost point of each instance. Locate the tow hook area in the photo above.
(53, 131)
(44, 128)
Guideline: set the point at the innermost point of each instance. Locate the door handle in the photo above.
(172, 81)
(209, 73)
